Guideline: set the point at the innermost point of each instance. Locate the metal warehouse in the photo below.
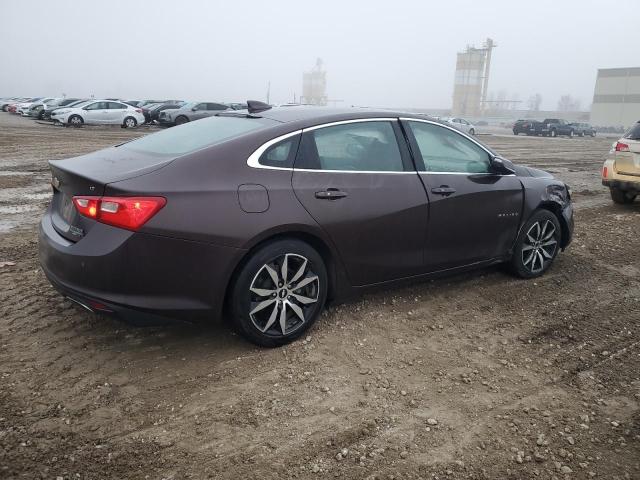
(616, 100)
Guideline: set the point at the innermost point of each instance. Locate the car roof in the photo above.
(315, 115)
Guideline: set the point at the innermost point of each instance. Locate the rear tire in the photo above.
(75, 120)
(621, 197)
(181, 120)
(271, 308)
(553, 133)
(129, 122)
(537, 245)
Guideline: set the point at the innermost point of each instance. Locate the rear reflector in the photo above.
(124, 212)
(622, 147)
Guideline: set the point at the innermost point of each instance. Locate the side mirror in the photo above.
(502, 166)
(194, 109)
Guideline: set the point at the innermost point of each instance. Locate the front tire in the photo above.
(553, 133)
(472, 132)
(537, 245)
(621, 197)
(181, 120)
(279, 293)
(75, 120)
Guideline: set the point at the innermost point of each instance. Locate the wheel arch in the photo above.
(556, 209)
(335, 272)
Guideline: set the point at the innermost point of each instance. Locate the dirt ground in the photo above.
(476, 376)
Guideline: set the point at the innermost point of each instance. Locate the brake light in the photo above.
(130, 213)
(622, 147)
(138, 110)
(604, 172)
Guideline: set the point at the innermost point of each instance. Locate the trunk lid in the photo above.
(88, 175)
(628, 163)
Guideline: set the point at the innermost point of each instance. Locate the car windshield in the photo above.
(633, 133)
(196, 135)
(80, 104)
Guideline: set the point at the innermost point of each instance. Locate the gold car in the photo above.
(621, 170)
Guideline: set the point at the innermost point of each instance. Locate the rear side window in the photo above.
(281, 154)
(116, 106)
(634, 132)
(194, 136)
(444, 150)
(361, 146)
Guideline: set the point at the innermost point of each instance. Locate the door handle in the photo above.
(330, 194)
(443, 190)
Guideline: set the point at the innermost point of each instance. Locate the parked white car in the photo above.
(100, 112)
(23, 108)
(461, 124)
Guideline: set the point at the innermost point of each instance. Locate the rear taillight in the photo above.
(622, 147)
(124, 212)
(138, 110)
(605, 171)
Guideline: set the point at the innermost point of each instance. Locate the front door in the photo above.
(356, 180)
(474, 213)
(97, 113)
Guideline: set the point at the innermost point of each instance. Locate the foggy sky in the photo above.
(377, 53)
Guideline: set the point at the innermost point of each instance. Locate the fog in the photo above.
(376, 53)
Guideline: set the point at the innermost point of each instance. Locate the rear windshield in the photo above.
(196, 135)
(634, 133)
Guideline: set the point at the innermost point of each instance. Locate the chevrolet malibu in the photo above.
(264, 215)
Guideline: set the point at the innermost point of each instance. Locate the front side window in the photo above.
(216, 106)
(201, 106)
(97, 106)
(360, 146)
(444, 150)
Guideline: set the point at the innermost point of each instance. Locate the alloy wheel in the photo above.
(130, 123)
(539, 246)
(282, 295)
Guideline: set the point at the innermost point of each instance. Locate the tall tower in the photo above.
(472, 80)
(314, 85)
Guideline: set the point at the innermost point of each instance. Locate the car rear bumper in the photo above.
(138, 277)
(624, 185)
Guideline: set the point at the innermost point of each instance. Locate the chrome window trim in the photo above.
(253, 160)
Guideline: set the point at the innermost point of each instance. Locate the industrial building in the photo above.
(314, 85)
(472, 80)
(616, 100)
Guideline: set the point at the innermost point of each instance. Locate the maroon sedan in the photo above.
(265, 214)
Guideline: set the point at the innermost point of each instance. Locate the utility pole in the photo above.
(488, 46)
(268, 92)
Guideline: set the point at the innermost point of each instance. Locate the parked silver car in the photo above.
(189, 112)
(461, 124)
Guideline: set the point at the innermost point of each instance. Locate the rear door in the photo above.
(117, 112)
(356, 180)
(474, 214)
